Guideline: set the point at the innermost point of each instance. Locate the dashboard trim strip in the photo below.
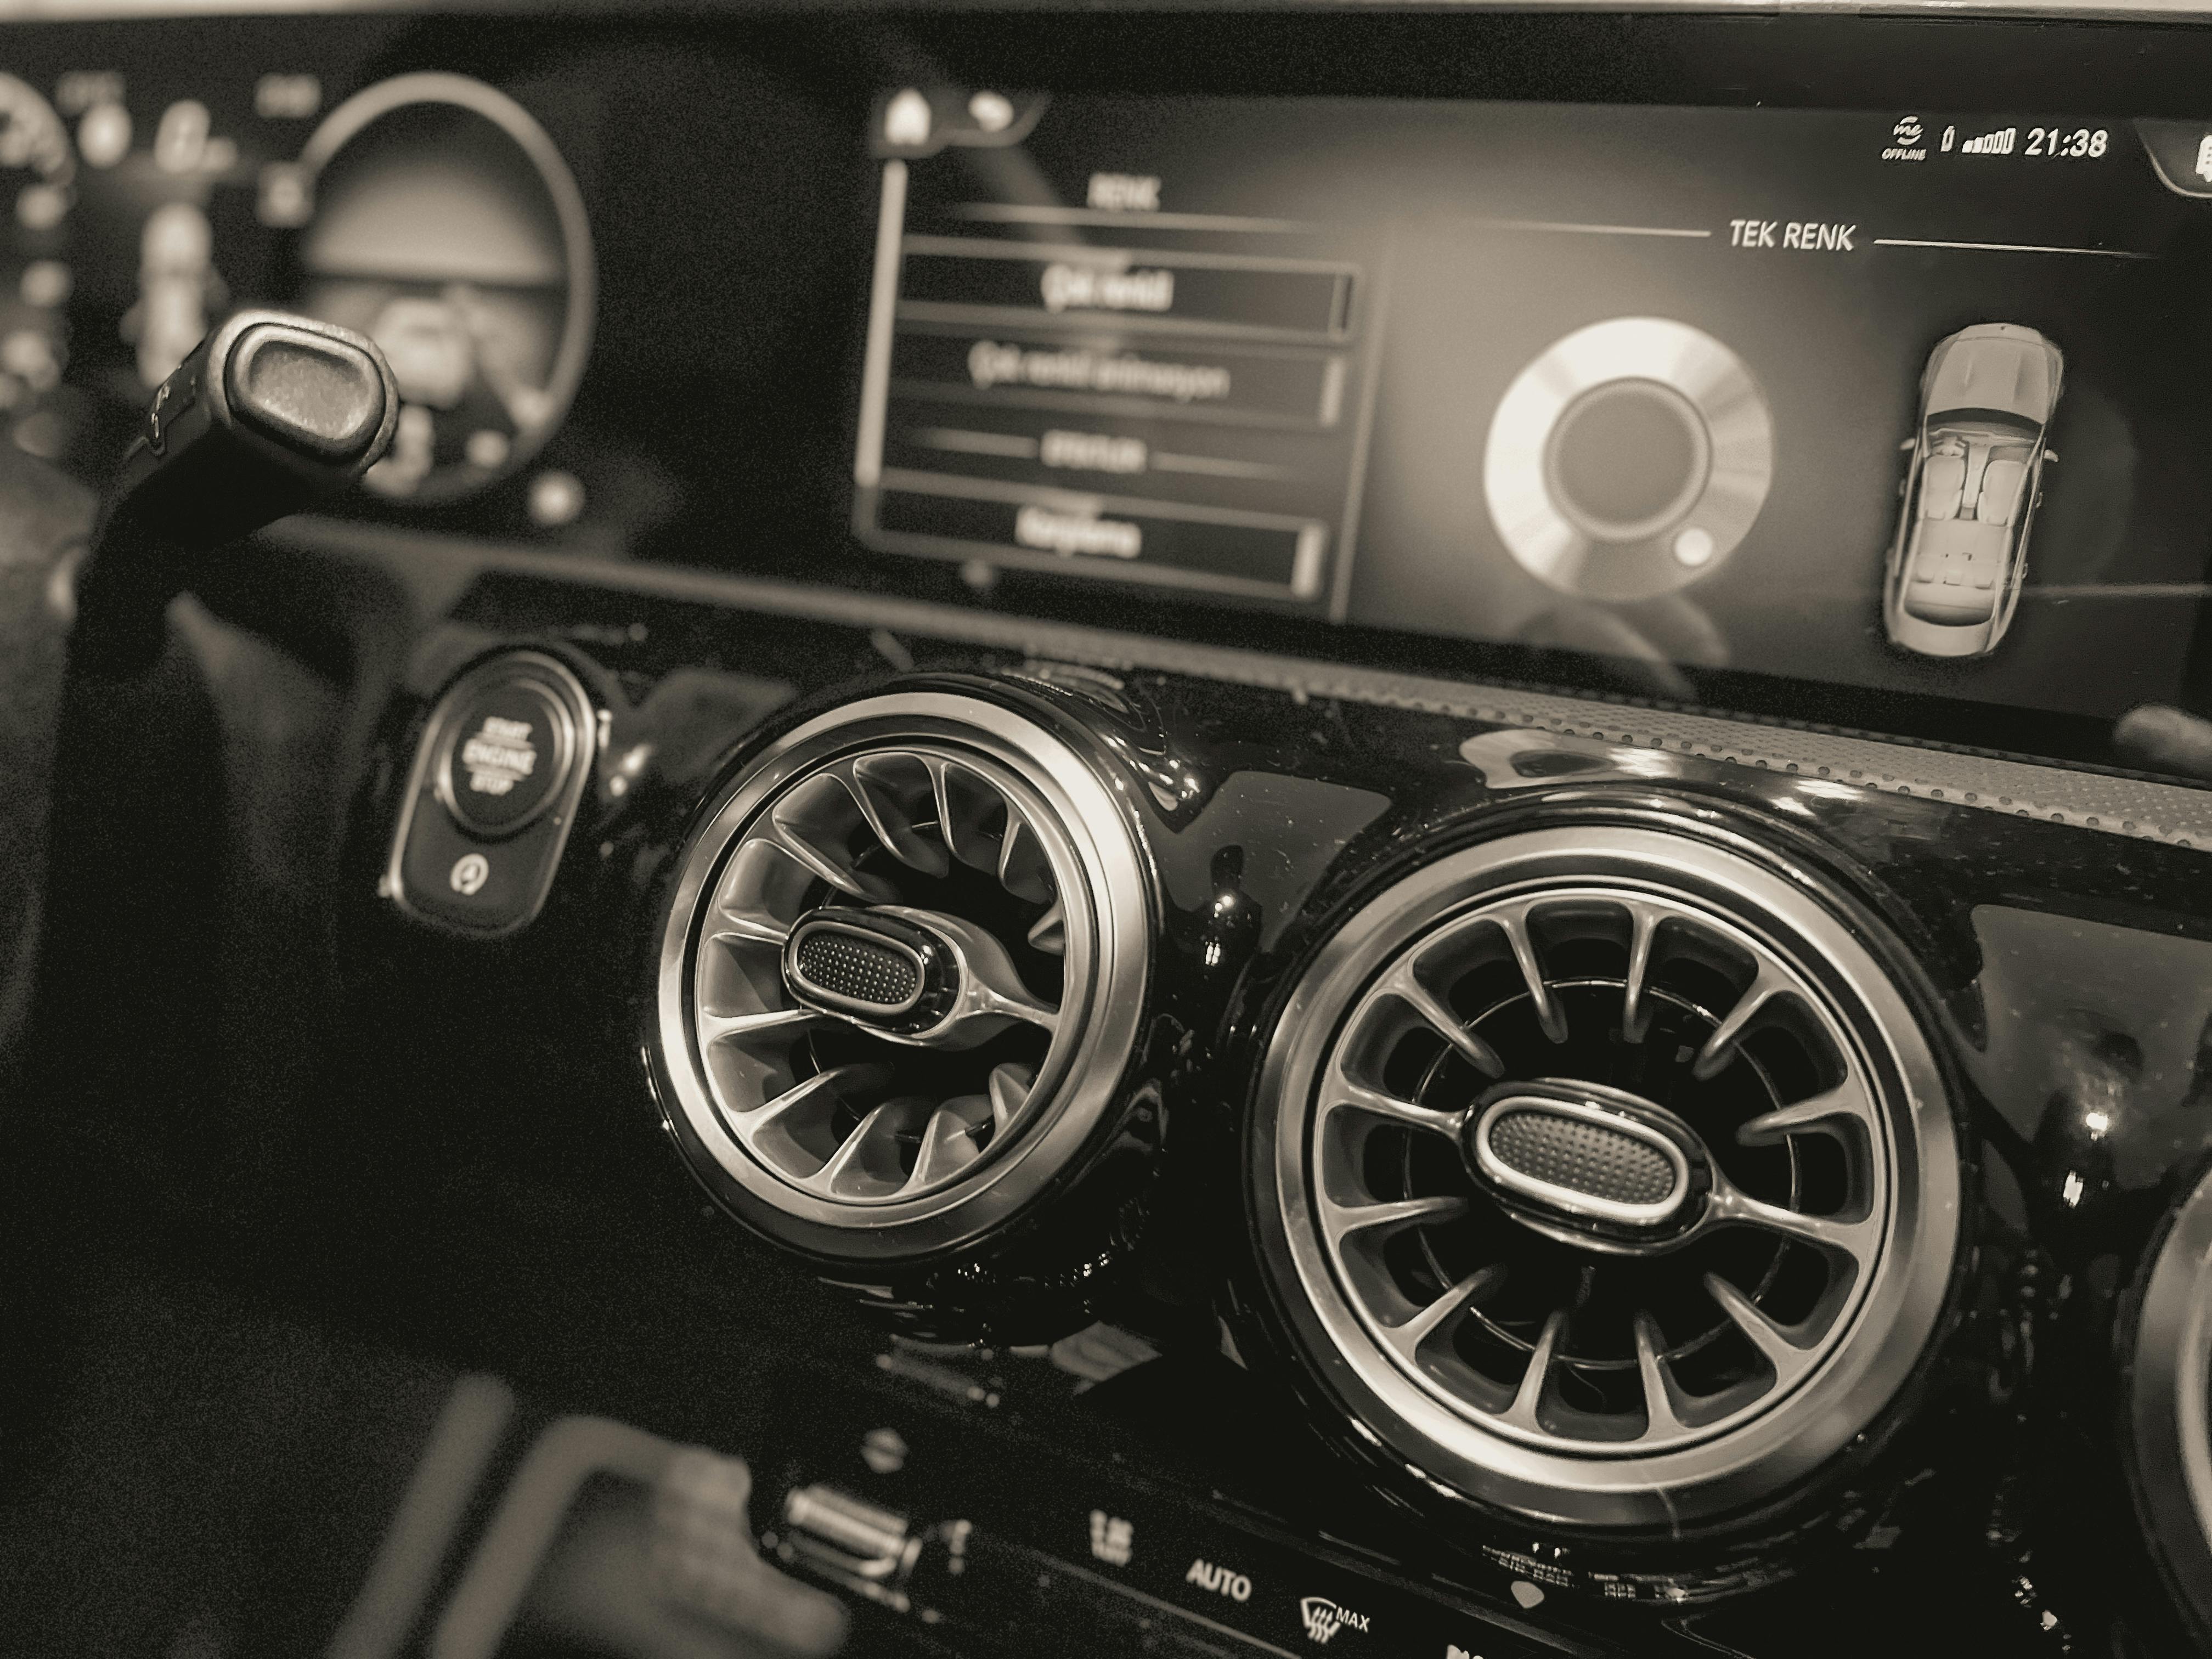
(2138, 808)
(2166, 11)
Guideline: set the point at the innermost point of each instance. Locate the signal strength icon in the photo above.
(1992, 144)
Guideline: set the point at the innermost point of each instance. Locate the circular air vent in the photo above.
(900, 976)
(1613, 1183)
(2169, 1427)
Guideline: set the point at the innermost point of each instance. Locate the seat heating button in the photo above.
(506, 755)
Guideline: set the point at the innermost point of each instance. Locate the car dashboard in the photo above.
(1269, 827)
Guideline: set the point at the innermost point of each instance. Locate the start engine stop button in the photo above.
(508, 751)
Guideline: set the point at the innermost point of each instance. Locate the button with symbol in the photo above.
(1113, 1539)
(883, 1450)
(492, 795)
(2181, 153)
(506, 754)
(907, 120)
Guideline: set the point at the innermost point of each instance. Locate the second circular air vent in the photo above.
(1607, 1178)
(900, 976)
(2166, 1344)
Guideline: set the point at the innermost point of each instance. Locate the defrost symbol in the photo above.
(1323, 1619)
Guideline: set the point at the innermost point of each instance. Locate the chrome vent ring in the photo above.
(1604, 1161)
(901, 973)
(2168, 1441)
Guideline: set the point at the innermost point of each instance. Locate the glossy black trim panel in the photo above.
(2110, 801)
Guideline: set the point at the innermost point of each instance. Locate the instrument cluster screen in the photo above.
(1904, 400)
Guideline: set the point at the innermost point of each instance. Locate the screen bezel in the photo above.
(2100, 69)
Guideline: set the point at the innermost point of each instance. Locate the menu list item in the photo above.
(1092, 382)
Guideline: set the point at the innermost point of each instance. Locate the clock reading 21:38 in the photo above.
(2082, 143)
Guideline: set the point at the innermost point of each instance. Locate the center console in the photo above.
(1308, 1167)
(1440, 943)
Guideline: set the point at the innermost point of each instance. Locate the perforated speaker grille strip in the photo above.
(1583, 1158)
(859, 969)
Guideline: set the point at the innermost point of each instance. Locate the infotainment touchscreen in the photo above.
(1911, 400)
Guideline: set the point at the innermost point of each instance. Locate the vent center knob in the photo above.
(912, 975)
(1587, 1161)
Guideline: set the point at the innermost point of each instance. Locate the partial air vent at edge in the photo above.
(2168, 1440)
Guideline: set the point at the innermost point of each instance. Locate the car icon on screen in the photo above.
(1986, 400)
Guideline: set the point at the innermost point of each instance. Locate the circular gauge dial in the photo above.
(447, 228)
